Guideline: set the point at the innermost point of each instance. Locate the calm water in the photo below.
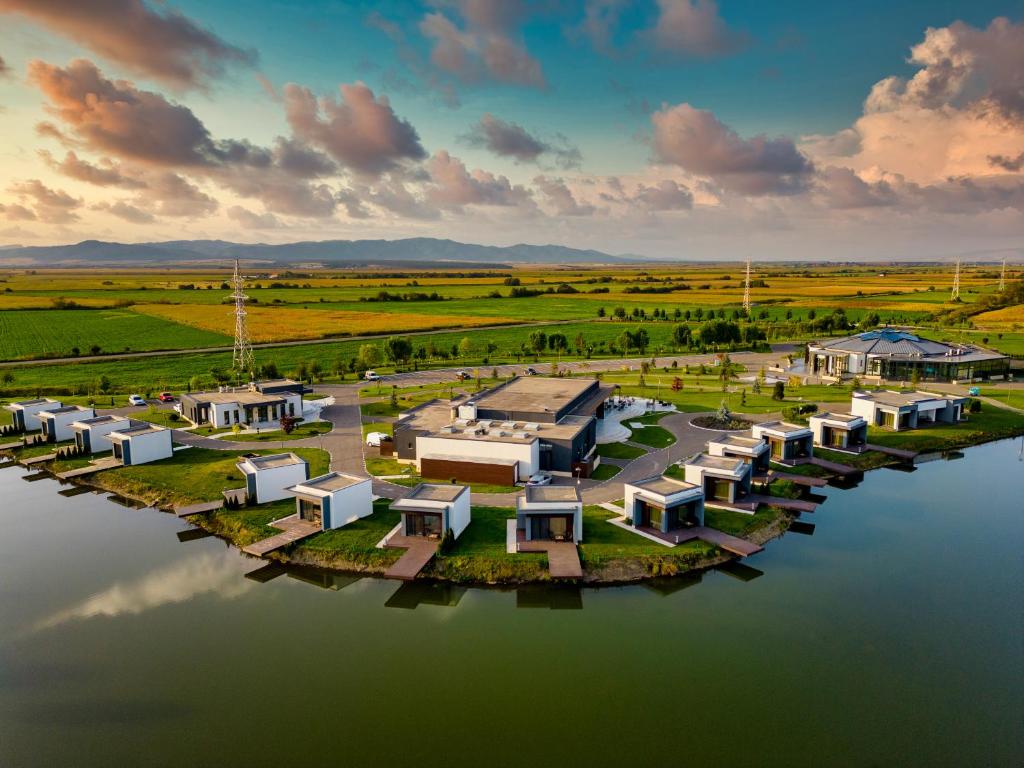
(891, 636)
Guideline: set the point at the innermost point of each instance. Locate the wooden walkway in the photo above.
(97, 466)
(810, 482)
(11, 446)
(563, 557)
(418, 552)
(897, 452)
(733, 544)
(832, 466)
(198, 509)
(38, 459)
(292, 529)
(794, 505)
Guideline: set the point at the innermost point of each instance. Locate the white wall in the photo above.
(351, 503)
(271, 482)
(694, 474)
(527, 455)
(151, 446)
(459, 514)
(62, 423)
(98, 434)
(30, 414)
(864, 408)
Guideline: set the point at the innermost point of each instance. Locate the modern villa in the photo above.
(841, 431)
(431, 509)
(25, 413)
(891, 355)
(550, 512)
(56, 422)
(753, 450)
(91, 434)
(789, 443)
(333, 500)
(664, 503)
(141, 444)
(507, 433)
(721, 478)
(891, 409)
(261, 404)
(267, 478)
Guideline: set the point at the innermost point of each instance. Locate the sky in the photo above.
(669, 129)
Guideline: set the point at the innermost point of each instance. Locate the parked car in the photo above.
(375, 439)
(463, 375)
(530, 371)
(540, 478)
(974, 391)
(371, 376)
(136, 400)
(165, 397)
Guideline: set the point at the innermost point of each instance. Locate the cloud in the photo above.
(844, 189)
(170, 194)
(483, 47)
(49, 205)
(5, 71)
(599, 24)
(125, 211)
(107, 174)
(393, 195)
(15, 212)
(561, 198)
(694, 28)
(1011, 164)
(361, 132)
(455, 187)
(666, 195)
(511, 140)
(699, 143)
(154, 41)
(250, 220)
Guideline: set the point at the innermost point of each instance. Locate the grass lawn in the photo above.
(654, 436)
(357, 541)
(1012, 397)
(41, 449)
(164, 418)
(192, 475)
(379, 426)
(385, 465)
(605, 472)
(739, 524)
(865, 461)
(619, 451)
(604, 543)
(991, 423)
(475, 487)
(301, 431)
(479, 553)
(382, 408)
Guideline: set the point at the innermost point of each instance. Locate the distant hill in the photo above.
(418, 251)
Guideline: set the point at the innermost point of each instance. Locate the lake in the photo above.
(890, 636)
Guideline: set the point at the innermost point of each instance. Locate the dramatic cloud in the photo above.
(844, 189)
(250, 220)
(484, 46)
(455, 187)
(49, 205)
(361, 132)
(1011, 164)
(699, 143)
(561, 198)
(666, 195)
(158, 42)
(107, 174)
(125, 211)
(694, 28)
(168, 194)
(393, 195)
(511, 140)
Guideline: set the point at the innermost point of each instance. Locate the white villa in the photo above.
(56, 422)
(259, 405)
(141, 444)
(721, 478)
(267, 478)
(333, 500)
(551, 512)
(891, 409)
(664, 503)
(745, 446)
(25, 413)
(841, 431)
(91, 434)
(431, 509)
(789, 443)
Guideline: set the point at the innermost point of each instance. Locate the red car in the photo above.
(166, 397)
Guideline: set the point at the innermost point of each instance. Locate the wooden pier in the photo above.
(419, 551)
(794, 505)
(810, 482)
(833, 466)
(198, 509)
(292, 529)
(37, 459)
(729, 543)
(11, 446)
(899, 453)
(97, 466)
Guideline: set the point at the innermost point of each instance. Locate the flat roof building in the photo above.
(141, 444)
(726, 479)
(25, 413)
(267, 478)
(56, 422)
(550, 512)
(260, 404)
(333, 500)
(664, 503)
(839, 431)
(899, 410)
(789, 443)
(90, 435)
(753, 450)
(430, 509)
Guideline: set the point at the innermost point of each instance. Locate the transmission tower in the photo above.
(242, 361)
(746, 291)
(1002, 278)
(956, 283)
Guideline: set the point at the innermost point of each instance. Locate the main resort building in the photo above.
(892, 355)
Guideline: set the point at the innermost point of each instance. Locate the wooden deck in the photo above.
(38, 459)
(833, 466)
(418, 552)
(97, 466)
(198, 509)
(563, 557)
(292, 529)
(794, 505)
(810, 482)
(733, 544)
(899, 453)
(11, 446)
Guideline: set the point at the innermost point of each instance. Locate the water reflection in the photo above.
(669, 585)
(193, 534)
(412, 594)
(557, 597)
(740, 571)
(74, 490)
(799, 526)
(207, 573)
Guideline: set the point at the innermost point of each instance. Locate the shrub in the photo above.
(974, 406)
(779, 391)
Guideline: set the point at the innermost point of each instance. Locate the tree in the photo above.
(579, 342)
(465, 347)
(779, 391)
(538, 341)
(103, 384)
(682, 336)
(288, 424)
(94, 349)
(600, 312)
(369, 355)
(620, 313)
(398, 349)
(677, 384)
(557, 342)
(719, 332)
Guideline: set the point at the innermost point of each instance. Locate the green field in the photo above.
(55, 333)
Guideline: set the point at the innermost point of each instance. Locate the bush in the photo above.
(974, 406)
(779, 391)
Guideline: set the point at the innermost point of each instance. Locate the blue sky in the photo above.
(783, 70)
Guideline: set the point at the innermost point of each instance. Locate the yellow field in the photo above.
(14, 301)
(1001, 317)
(278, 323)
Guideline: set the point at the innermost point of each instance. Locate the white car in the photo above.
(541, 478)
(371, 376)
(136, 400)
(463, 375)
(374, 439)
